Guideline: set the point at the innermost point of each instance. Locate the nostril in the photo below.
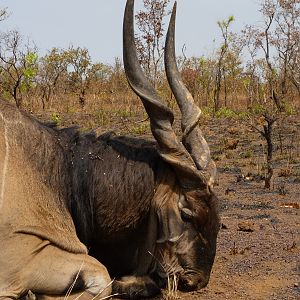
(187, 284)
(202, 283)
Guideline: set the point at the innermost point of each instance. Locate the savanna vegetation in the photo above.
(252, 75)
(252, 69)
(249, 92)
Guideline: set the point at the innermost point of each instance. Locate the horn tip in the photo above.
(174, 7)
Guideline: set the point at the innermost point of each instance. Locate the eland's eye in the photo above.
(186, 214)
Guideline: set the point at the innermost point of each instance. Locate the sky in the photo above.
(97, 24)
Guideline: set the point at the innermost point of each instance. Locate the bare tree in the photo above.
(150, 46)
(252, 82)
(224, 26)
(286, 41)
(269, 9)
(4, 14)
(267, 122)
(279, 42)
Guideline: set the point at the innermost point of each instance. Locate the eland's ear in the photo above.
(169, 222)
(165, 204)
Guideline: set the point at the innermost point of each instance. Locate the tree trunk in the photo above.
(217, 91)
(267, 134)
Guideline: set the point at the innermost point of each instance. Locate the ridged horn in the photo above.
(161, 117)
(192, 137)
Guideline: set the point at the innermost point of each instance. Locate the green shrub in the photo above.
(225, 112)
(257, 109)
(288, 108)
(56, 118)
(248, 154)
(243, 115)
(102, 117)
(124, 113)
(207, 111)
(141, 129)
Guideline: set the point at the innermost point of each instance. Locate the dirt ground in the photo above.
(264, 263)
(259, 243)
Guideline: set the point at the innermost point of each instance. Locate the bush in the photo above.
(288, 108)
(56, 118)
(257, 109)
(207, 111)
(225, 112)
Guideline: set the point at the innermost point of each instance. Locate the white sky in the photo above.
(97, 24)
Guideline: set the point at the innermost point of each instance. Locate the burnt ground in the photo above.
(259, 243)
(262, 263)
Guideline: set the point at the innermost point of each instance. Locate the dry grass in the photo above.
(170, 266)
(171, 292)
(32, 296)
(69, 291)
